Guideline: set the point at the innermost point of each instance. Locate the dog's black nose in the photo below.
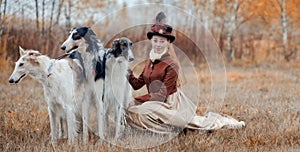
(11, 81)
(131, 59)
(63, 47)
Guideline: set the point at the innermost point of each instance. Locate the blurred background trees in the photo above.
(250, 31)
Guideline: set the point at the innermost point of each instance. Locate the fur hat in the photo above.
(160, 28)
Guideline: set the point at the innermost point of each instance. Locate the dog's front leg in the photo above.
(85, 119)
(53, 126)
(119, 114)
(63, 127)
(106, 125)
(72, 127)
(99, 107)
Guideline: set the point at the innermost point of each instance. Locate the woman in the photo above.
(165, 107)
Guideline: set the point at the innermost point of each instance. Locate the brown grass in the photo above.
(266, 98)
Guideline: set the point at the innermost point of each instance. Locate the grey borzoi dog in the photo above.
(84, 41)
(56, 78)
(117, 91)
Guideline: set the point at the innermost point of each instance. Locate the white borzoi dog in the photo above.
(84, 41)
(117, 91)
(56, 78)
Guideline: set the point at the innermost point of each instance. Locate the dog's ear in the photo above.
(21, 51)
(82, 30)
(116, 44)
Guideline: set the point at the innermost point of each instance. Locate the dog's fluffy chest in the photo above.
(116, 67)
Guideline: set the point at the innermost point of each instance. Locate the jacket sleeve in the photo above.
(169, 84)
(136, 83)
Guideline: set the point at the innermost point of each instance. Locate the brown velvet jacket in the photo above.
(160, 78)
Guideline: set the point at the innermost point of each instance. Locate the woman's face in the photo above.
(159, 43)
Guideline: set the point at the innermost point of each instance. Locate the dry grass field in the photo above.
(267, 98)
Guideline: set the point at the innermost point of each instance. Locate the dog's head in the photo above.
(26, 64)
(78, 36)
(122, 48)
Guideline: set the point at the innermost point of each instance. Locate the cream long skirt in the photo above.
(177, 112)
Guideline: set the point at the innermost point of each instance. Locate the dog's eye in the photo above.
(76, 36)
(130, 44)
(21, 64)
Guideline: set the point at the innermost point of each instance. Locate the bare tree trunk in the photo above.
(4, 9)
(284, 29)
(228, 52)
(227, 25)
(208, 14)
(221, 38)
(61, 2)
(51, 16)
(68, 14)
(5, 5)
(37, 14)
(21, 42)
(49, 33)
(252, 50)
(3, 37)
(230, 27)
(238, 47)
(43, 18)
(0, 10)
(284, 23)
(2, 16)
(283, 16)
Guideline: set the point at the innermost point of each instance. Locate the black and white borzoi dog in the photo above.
(96, 62)
(117, 91)
(84, 41)
(56, 78)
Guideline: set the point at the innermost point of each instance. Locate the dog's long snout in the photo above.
(130, 55)
(63, 47)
